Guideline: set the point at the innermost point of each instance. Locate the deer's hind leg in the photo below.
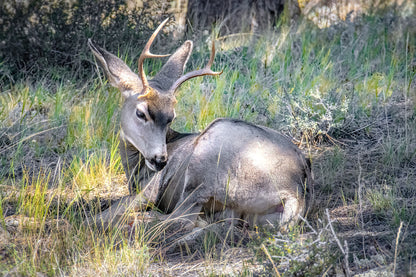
(283, 215)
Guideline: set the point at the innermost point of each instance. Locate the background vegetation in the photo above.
(345, 90)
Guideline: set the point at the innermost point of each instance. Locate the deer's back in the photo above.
(245, 163)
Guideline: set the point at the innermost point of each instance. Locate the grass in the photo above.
(347, 94)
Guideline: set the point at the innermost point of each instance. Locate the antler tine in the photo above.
(146, 54)
(202, 72)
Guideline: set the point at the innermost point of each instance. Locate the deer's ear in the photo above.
(173, 68)
(117, 72)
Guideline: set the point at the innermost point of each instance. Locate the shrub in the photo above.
(36, 36)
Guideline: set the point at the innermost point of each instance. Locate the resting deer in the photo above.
(247, 171)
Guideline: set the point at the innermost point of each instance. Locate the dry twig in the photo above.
(344, 249)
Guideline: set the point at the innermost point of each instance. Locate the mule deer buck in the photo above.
(239, 169)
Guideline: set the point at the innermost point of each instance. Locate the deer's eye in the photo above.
(141, 115)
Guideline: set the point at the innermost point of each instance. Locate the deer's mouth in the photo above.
(155, 166)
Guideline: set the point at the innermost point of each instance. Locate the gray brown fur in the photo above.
(246, 171)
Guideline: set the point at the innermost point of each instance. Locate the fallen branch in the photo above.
(344, 249)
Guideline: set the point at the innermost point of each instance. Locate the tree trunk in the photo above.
(231, 16)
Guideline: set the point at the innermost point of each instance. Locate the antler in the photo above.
(202, 72)
(146, 54)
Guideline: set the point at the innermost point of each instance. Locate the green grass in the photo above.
(346, 94)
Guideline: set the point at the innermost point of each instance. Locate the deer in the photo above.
(237, 169)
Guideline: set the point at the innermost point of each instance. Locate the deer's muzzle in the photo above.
(157, 163)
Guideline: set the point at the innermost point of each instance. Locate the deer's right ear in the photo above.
(173, 68)
(117, 72)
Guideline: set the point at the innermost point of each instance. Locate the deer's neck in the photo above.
(134, 164)
(172, 135)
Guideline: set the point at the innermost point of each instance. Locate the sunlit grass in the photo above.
(100, 170)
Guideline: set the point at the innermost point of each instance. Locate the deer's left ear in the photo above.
(173, 68)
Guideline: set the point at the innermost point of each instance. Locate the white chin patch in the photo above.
(150, 165)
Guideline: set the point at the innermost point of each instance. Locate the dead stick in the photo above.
(344, 252)
(395, 249)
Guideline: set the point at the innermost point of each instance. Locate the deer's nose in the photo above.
(159, 161)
